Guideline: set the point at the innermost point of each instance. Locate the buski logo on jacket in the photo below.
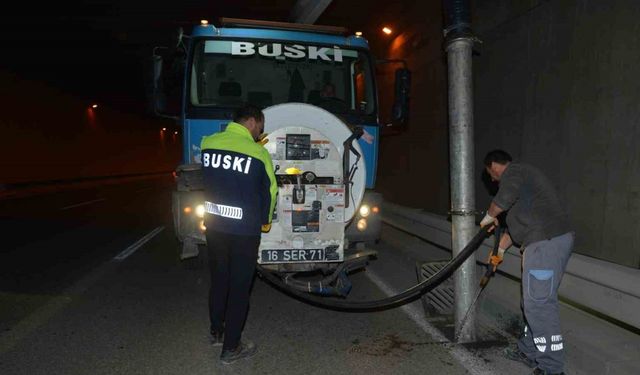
(235, 163)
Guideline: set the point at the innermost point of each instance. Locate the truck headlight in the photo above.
(200, 211)
(364, 210)
(362, 225)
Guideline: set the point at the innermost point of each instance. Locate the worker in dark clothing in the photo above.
(240, 194)
(536, 221)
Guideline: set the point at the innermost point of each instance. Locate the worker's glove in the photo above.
(265, 228)
(495, 260)
(488, 220)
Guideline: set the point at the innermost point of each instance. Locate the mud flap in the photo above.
(189, 248)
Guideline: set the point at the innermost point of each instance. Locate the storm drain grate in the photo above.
(440, 299)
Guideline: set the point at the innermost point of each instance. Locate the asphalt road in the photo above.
(68, 307)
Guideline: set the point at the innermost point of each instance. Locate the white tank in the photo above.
(306, 145)
(326, 123)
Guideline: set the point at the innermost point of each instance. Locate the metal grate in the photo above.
(440, 299)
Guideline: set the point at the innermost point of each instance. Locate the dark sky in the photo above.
(100, 50)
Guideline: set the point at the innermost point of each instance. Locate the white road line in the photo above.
(83, 204)
(131, 249)
(42, 315)
(471, 363)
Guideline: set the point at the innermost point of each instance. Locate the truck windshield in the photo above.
(228, 73)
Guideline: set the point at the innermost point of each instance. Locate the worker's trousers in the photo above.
(232, 263)
(543, 264)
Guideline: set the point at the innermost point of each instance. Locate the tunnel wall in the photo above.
(49, 135)
(413, 168)
(556, 85)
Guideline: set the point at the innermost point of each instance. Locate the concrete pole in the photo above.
(461, 160)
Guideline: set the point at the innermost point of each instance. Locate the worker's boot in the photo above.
(515, 354)
(246, 349)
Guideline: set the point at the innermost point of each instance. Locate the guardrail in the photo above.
(607, 288)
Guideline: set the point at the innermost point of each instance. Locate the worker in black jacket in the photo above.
(539, 223)
(240, 194)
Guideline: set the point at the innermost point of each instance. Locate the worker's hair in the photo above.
(246, 112)
(497, 156)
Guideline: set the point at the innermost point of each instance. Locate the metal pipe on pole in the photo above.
(459, 42)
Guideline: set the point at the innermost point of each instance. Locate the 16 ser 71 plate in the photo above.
(292, 255)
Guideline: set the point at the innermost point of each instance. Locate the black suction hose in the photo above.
(346, 168)
(408, 295)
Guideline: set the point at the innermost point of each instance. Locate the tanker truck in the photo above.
(316, 85)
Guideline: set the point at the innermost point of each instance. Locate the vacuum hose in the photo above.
(407, 296)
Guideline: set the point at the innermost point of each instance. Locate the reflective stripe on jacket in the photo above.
(238, 172)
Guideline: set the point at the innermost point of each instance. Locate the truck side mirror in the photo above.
(400, 109)
(158, 99)
(166, 82)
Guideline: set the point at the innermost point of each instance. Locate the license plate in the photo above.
(292, 255)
